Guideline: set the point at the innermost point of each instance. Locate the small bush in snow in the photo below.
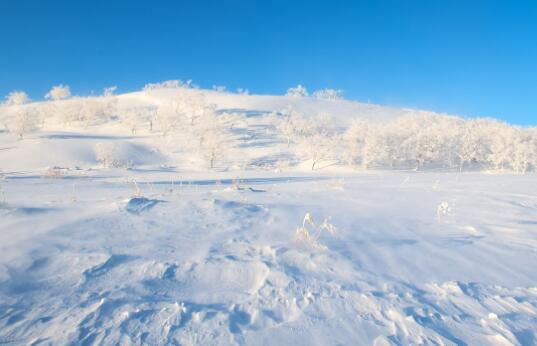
(107, 153)
(308, 234)
(443, 209)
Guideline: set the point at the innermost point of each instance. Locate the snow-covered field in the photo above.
(147, 245)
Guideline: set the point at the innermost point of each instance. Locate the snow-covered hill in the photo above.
(183, 216)
(69, 133)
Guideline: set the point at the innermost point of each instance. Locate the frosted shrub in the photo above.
(167, 117)
(378, 148)
(443, 209)
(19, 117)
(138, 117)
(169, 84)
(185, 110)
(525, 153)
(328, 227)
(308, 234)
(55, 172)
(298, 91)
(190, 124)
(314, 139)
(502, 145)
(109, 91)
(328, 94)
(473, 148)
(355, 139)
(97, 110)
(318, 141)
(59, 92)
(214, 144)
(107, 153)
(87, 111)
(16, 98)
(233, 120)
(422, 140)
(219, 88)
(290, 124)
(22, 119)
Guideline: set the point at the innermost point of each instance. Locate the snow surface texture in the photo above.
(108, 237)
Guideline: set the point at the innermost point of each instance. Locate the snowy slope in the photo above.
(343, 110)
(165, 251)
(58, 144)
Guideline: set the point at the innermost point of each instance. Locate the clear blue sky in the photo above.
(470, 57)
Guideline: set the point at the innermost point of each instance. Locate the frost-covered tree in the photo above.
(219, 88)
(109, 91)
(59, 108)
(18, 116)
(58, 92)
(381, 146)
(170, 84)
(318, 141)
(290, 124)
(214, 144)
(84, 111)
(189, 123)
(186, 109)
(525, 153)
(16, 98)
(422, 140)
(22, 119)
(355, 139)
(97, 110)
(328, 94)
(168, 117)
(298, 91)
(502, 144)
(472, 146)
(138, 117)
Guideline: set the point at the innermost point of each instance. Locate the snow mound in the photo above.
(137, 205)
